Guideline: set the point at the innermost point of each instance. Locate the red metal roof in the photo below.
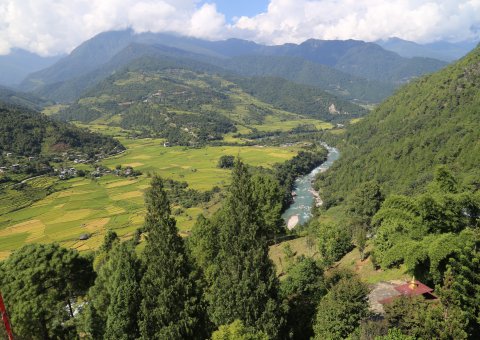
(418, 289)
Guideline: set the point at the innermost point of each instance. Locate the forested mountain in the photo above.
(353, 69)
(309, 73)
(16, 65)
(303, 99)
(163, 97)
(28, 133)
(432, 121)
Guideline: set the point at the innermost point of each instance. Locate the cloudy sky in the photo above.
(49, 27)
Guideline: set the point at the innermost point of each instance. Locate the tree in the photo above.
(243, 282)
(170, 307)
(334, 241)
(238, 331)
(365, 202)
(415, 317)
(395, 334)
(114, 298)
(302, 289)
(461, 286)
(40, 284)
(340, 311)
(269, 197)
(226, 162)
(124, 284)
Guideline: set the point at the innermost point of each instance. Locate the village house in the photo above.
(386, 292)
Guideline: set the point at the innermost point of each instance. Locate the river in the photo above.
(300, 211)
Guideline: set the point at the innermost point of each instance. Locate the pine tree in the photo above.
(114, 299)
(244, 285)
(124, 295)
(170, 308)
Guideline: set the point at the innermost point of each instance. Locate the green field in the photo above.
(83, 205)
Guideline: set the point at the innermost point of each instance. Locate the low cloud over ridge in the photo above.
(50, 27)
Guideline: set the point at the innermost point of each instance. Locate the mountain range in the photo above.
(354, 70)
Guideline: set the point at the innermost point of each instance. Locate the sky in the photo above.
(50, 27)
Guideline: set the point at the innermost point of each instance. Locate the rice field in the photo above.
(92, 206)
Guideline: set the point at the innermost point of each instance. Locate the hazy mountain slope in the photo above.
(439, 50)
(95, 59)
(304, 72)
(27, 100)
(16, 65)
(432, 121)
(72, 89)
(85, 58)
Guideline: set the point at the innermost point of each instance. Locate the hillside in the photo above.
(157, 98)
(27, 100)
(28, 133)
(303, 99)
(353, 69)
(429, 122)
(16, 65)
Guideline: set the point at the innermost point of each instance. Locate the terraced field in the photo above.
(87, 206)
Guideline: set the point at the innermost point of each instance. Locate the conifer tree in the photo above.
(114, 299)
(170, 307)
(244, 285)
(122, 312)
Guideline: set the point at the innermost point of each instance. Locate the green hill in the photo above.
(161, 98)
(429, 122)
(29, 133)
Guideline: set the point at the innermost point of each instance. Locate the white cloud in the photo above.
(57, 26)
(417, 20)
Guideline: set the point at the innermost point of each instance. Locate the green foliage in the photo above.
(431, 121)
(170, 307)
(461, 285)
(114, 298)
(303, 288)
(226, 162)
(269, 196)
(334, 240)
(395, 334)
(341, 309)
(238, 331)
(29, 133)
(293, 97)
(365, 202)
(41, 285)
(242, 281)
(417, 318)
(424, 231)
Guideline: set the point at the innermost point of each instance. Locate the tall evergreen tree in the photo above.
(124, 295)
(114, 299)
(170, 308)
(243, 281)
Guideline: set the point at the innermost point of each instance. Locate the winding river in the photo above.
(299, 211)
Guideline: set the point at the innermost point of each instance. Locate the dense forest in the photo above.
(432, 121)
(28, 133)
